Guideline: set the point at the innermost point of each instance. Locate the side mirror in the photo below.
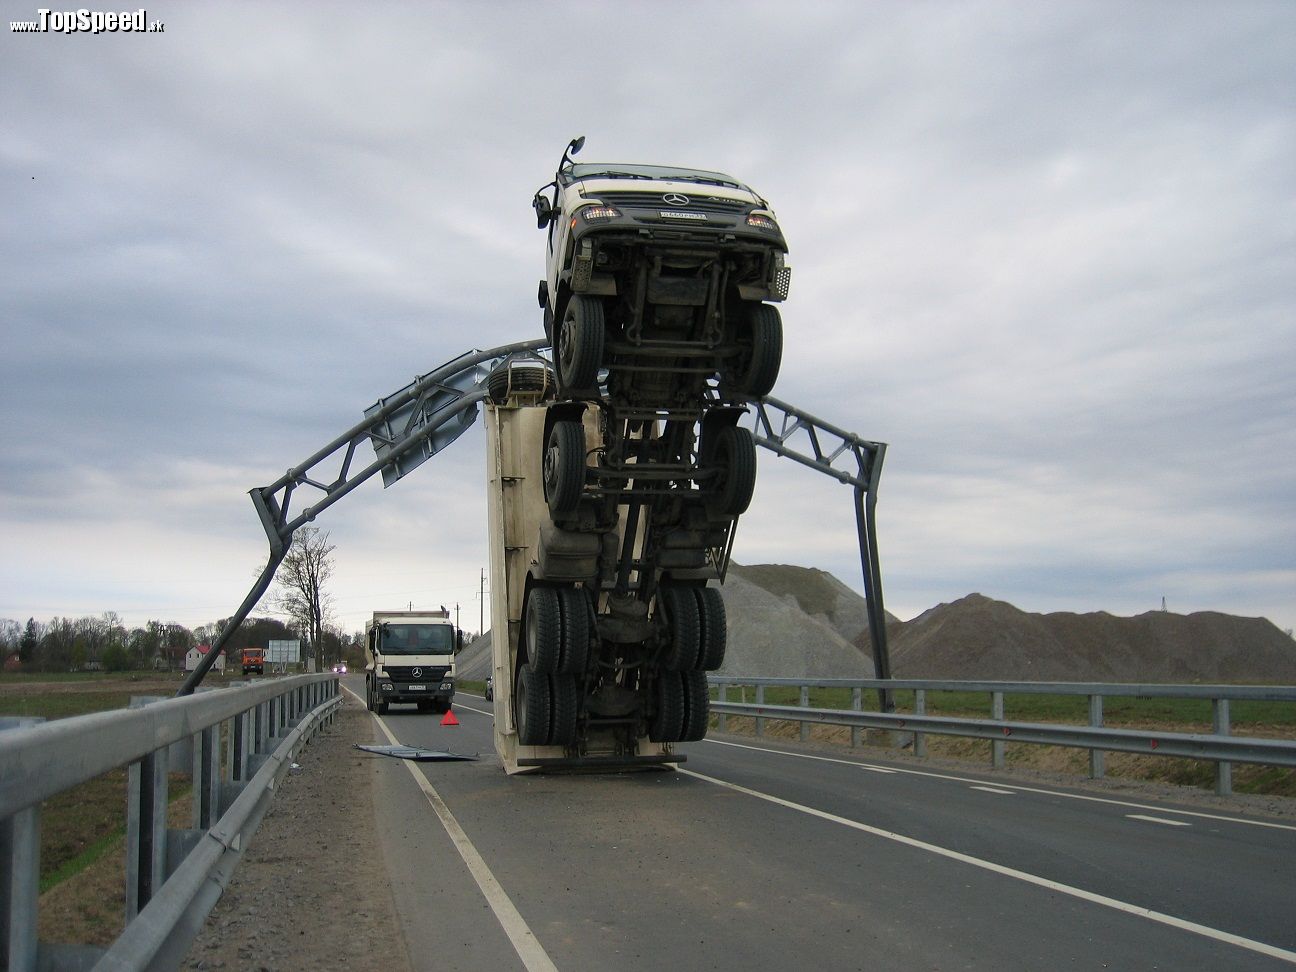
(459, 641)
(543, 210)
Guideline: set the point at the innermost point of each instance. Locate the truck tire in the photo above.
(697, 706)
(682, 628)
(520, 377)
(580, 344)
(760, 366)
(566, 699)
(734, 453)
(667, 722)
(543, 630)
(533, 715)
(564, 466)
(381, 705)
(715, 628)
(575, 631)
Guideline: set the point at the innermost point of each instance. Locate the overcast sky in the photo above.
(1045, 251)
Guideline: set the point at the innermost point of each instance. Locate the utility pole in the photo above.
(481, 604)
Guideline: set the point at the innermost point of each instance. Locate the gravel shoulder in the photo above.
(304, 896)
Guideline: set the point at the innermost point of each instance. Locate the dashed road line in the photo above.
(1160, 820)
(1116, 905)
(993, 789)
(1017, 788)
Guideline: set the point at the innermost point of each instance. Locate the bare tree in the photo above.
(301, 580)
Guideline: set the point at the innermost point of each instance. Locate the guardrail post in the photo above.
(1223, 769)
(19, 878)
(146, 830)
(760, 700)
(1097, 757)
(997, 745)
(206, 777)
(722, 723)
(920, 708)
(805, 704)
(857, 703)
(20, 888)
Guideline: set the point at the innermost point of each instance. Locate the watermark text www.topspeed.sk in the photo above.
(88, 22)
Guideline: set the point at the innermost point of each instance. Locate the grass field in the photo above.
(1264, 719)
(80, 825)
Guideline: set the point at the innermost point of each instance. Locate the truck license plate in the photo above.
(668, 214)
(418, 688)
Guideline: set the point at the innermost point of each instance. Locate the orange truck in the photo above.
(254, 660)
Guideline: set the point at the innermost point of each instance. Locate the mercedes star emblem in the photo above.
(675, 199)
(417, 673)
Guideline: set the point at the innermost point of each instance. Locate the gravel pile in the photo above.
(979, 637)
(793, 622)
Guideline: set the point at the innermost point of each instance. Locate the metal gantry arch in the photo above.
(414, 424)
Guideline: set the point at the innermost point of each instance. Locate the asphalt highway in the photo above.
(760, 856)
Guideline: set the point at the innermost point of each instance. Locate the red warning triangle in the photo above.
(449, 719)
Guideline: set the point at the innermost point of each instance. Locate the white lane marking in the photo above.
(1014, 786)
(877, 769)
(1160, 820)
(1099, 899)
(519, 933)
(992, 789)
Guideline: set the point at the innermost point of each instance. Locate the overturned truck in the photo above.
(616, 476)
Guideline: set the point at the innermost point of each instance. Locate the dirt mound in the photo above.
(817, 593)
(792, 622)
(771, 635)
(474, 662)
(979, 637)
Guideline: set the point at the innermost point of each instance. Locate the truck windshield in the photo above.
(666, 172)
(417, 639)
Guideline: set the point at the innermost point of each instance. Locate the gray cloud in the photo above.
(1046, 253)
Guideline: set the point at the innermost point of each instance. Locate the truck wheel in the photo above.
(682, 628)
(564, 466)
(715, 632)
(533, 708)
(760, 366)
(734, 452)
(667, 722)
(697, 706)
(580, 343)
(575, 631)
(543, 630)
(381, 705)
(566, 698)
(519, 377)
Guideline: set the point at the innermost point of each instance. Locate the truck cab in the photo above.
(658, 280)
(253, 660)
(410, 658)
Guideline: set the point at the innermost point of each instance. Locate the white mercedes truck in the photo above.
(410, 658)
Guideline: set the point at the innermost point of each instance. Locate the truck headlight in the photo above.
(592, 214)
(757, 221)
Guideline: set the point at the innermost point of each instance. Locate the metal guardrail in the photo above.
(236, 743)
(1218, 746)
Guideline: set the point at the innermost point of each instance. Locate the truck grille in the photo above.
(426, 673)
(697, 203)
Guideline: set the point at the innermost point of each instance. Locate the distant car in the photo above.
(339, 668)
(490, 688)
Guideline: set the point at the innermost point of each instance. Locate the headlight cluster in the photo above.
(592, 214)
(756, 221)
